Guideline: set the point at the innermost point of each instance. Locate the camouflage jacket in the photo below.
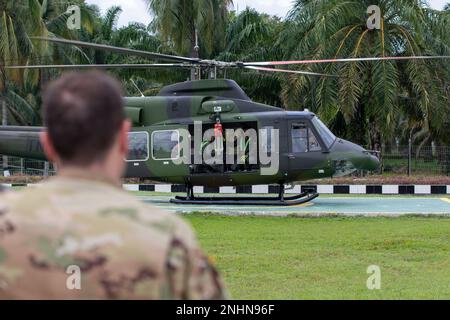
(74, 238)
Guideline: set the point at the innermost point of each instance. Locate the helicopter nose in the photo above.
(350, 157)
(368, 161)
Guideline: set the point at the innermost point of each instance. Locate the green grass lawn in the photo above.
(327, 258)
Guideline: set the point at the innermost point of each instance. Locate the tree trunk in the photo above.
(357, 129)
(4, 112)
(4, 123)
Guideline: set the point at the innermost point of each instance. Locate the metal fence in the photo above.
(398, 160)
(415, 160)
(26, 167)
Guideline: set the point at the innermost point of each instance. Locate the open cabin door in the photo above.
(234, 149)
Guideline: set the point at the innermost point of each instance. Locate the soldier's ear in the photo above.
(47, 145)
(123, 136)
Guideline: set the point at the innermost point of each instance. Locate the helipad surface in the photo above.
(352, 206)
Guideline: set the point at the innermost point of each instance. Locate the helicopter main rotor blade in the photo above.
(279, 63)
(103, 66)
(291, 71)
(145, 54)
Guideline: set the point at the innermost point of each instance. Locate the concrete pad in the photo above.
(326, 206)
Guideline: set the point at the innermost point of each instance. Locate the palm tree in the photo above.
(15, 45)
(134, 36)
(140, 37)
(49, 19)
(182, 22)
(19, 22)
(250, 37)
(104, 28)
(371, 96)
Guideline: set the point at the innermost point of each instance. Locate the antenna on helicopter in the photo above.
(195, 71)
(137, 88)
(197, 47)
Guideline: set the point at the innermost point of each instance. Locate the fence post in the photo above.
(409, 156)
(46, 168)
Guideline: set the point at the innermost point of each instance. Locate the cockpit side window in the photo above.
(327, 136)
(304, 139)
(299, 138)
(313, 143)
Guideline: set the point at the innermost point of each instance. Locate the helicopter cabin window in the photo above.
(165, 145)
(303, 139)
(137, 146)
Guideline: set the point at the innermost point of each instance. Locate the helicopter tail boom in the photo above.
(21, 142)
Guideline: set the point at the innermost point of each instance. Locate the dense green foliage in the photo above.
(372, 103)
(375, 97)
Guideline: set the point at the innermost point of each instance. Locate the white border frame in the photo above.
(148, 147)
(167, 159)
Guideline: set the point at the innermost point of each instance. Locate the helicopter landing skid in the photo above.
(248, 201)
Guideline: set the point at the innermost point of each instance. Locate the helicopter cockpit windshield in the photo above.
(327, 136)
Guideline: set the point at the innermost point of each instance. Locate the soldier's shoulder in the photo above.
(95, 207)
(163, 220)
(118, 203)
(29, 197)
(7, 198)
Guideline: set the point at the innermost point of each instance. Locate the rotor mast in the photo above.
(195, 70)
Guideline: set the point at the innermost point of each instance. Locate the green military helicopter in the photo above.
(210, 133)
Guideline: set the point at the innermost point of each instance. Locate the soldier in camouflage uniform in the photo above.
(79, 236)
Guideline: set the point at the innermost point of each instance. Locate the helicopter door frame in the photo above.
(304, 160)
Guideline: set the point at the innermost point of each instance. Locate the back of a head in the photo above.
(83, 113)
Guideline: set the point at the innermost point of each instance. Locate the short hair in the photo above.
(83, 113)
